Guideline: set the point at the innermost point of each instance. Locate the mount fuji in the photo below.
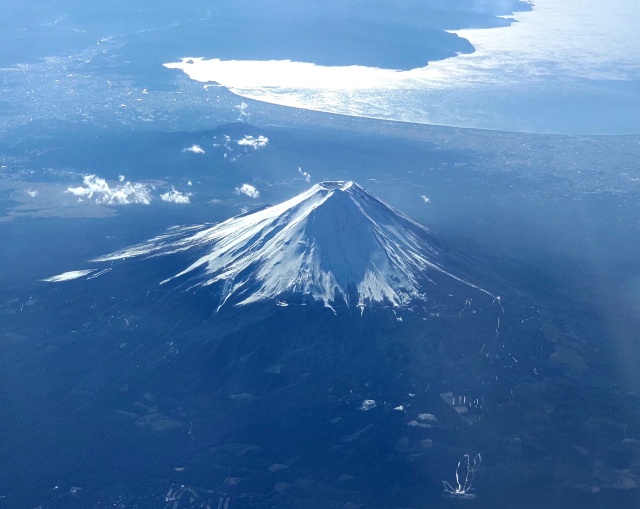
(313, 345)
(335, 243)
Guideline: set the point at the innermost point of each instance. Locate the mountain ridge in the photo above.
(335, 243)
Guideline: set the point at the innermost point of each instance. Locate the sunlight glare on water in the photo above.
(567, 44)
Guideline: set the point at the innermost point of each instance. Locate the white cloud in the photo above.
(227, 144)
(99, 191)
(121, 178)
(307, 176)
(175, 196)
(68, 276)
(242, 108)
(195, 149)
(256, 143)
(32, 192)
(248, 190)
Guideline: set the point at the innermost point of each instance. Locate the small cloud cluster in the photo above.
(195, 149)
(248, 190)
(242, 108)
(246, 143)
(99, 190)
(227, 146)
(307, 176)
(255, 143)
(175, 196)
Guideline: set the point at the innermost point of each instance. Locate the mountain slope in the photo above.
(335, 243)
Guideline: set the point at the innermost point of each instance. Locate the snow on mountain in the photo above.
(334, 242)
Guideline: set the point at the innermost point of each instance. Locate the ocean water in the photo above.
(564, 67)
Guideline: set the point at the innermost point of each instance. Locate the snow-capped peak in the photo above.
(335, 242)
